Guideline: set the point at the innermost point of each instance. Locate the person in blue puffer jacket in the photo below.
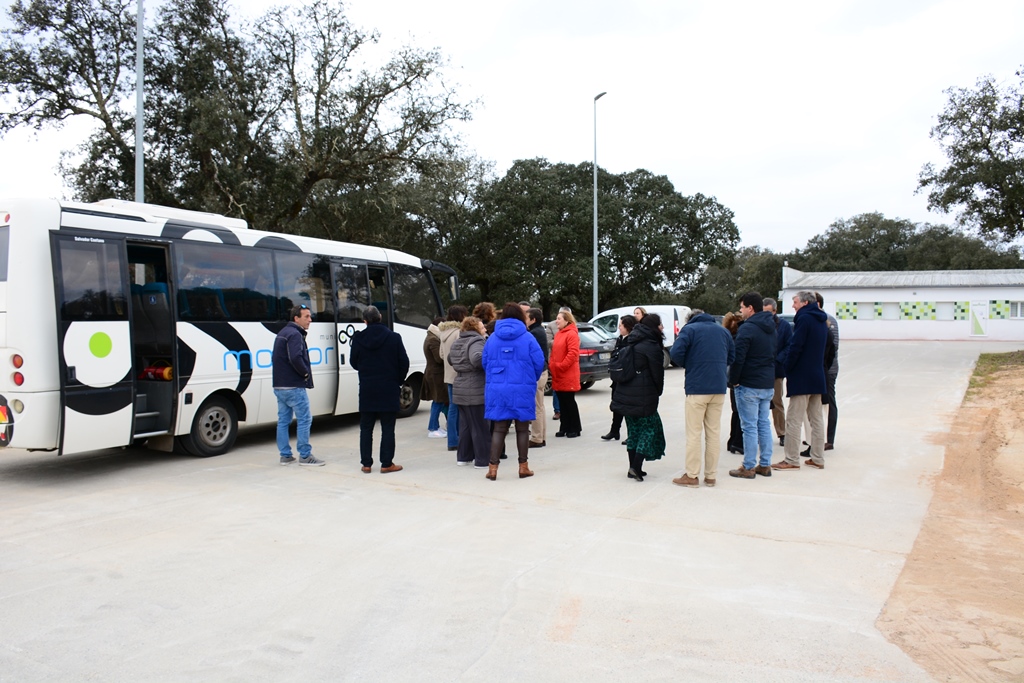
(512, 362)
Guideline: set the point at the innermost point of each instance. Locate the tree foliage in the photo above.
(871, 241)
(531, 237)
(753, 269)
(288, 123)
(982, 133)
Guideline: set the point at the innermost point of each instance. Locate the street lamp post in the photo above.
(596, 98)
(140, 194)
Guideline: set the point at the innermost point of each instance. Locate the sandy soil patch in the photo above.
(958, 605)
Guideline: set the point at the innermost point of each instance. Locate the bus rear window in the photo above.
(5, 242)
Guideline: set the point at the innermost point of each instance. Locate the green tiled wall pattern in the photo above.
(917, 310)
(998, 310)
(846, 310)
(878, 310)
(961, 310)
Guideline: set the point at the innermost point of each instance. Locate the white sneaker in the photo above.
(437, 434)
(463, 463)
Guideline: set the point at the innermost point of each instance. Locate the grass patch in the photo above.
(988, 365)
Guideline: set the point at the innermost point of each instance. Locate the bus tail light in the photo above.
(19, 379)
(17, 361)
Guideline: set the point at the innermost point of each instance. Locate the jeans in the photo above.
(435, 416)
(555, 402)
(293, 401)
(754, 406)
(453, 420)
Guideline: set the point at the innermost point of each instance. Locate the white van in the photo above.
(672, 319)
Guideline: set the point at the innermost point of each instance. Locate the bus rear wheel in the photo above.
(409, 399)
(214, 428)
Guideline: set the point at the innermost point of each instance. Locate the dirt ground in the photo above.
(958, 606)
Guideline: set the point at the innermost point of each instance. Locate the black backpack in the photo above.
(622, 368)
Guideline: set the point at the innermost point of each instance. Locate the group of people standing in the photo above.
(751, 358)
(494, 367)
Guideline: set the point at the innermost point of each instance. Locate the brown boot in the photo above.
(492, 472)
(524, 470)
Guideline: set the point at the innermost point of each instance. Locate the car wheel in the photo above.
(668, 360)
(586, 385)
(214, 428)
(547, 386)
(409, 400)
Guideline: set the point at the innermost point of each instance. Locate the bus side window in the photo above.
(415, 303)
(92, 287)
(353, 292)
(305, 279)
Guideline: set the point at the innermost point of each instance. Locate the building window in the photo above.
(890, 310)
(1017, 309)
(866, 311)
(945, 310)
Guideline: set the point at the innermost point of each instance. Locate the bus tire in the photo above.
(409, 400)
(214, 428)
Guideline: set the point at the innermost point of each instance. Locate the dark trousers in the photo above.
(570, 421)
(833, 412)
(735, 431)
(387, 438)
(522, 438)
(474, 435)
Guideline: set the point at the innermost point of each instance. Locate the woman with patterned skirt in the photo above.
(636, 396)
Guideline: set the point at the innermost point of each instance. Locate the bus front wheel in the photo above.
(214, 428)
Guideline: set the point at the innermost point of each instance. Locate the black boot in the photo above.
(611, 435)
(634, 466)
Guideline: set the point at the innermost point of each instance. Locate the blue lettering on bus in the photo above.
(263, 357)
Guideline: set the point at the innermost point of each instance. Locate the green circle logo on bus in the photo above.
(100, 344)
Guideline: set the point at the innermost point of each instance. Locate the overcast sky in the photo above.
(792, 114)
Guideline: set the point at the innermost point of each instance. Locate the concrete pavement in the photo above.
(138, 566)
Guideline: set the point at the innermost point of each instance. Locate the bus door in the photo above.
(357, 285)
(95, 343)
(152, 326)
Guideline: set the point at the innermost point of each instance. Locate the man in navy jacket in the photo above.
(753, 376)
(292, 376)
(805, 382)
(379, 356)
(705, 349)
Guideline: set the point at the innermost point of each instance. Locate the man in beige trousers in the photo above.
(705, 349)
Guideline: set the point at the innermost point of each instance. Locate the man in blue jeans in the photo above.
(292, 376)
(753, 376)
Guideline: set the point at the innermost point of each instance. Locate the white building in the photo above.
(924, 304)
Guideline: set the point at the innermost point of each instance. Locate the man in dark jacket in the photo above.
(783, 335)
(538, 428)
(705, 350)
(805, 382)
(378, 354)
(292, 376)
(753, 377)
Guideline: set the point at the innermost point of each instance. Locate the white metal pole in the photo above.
(140, 195)
(596, 98)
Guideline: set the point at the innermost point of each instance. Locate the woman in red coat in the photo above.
(565, 373)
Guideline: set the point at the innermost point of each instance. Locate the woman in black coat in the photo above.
(731, 322)
(636, 395)
(626, 325)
